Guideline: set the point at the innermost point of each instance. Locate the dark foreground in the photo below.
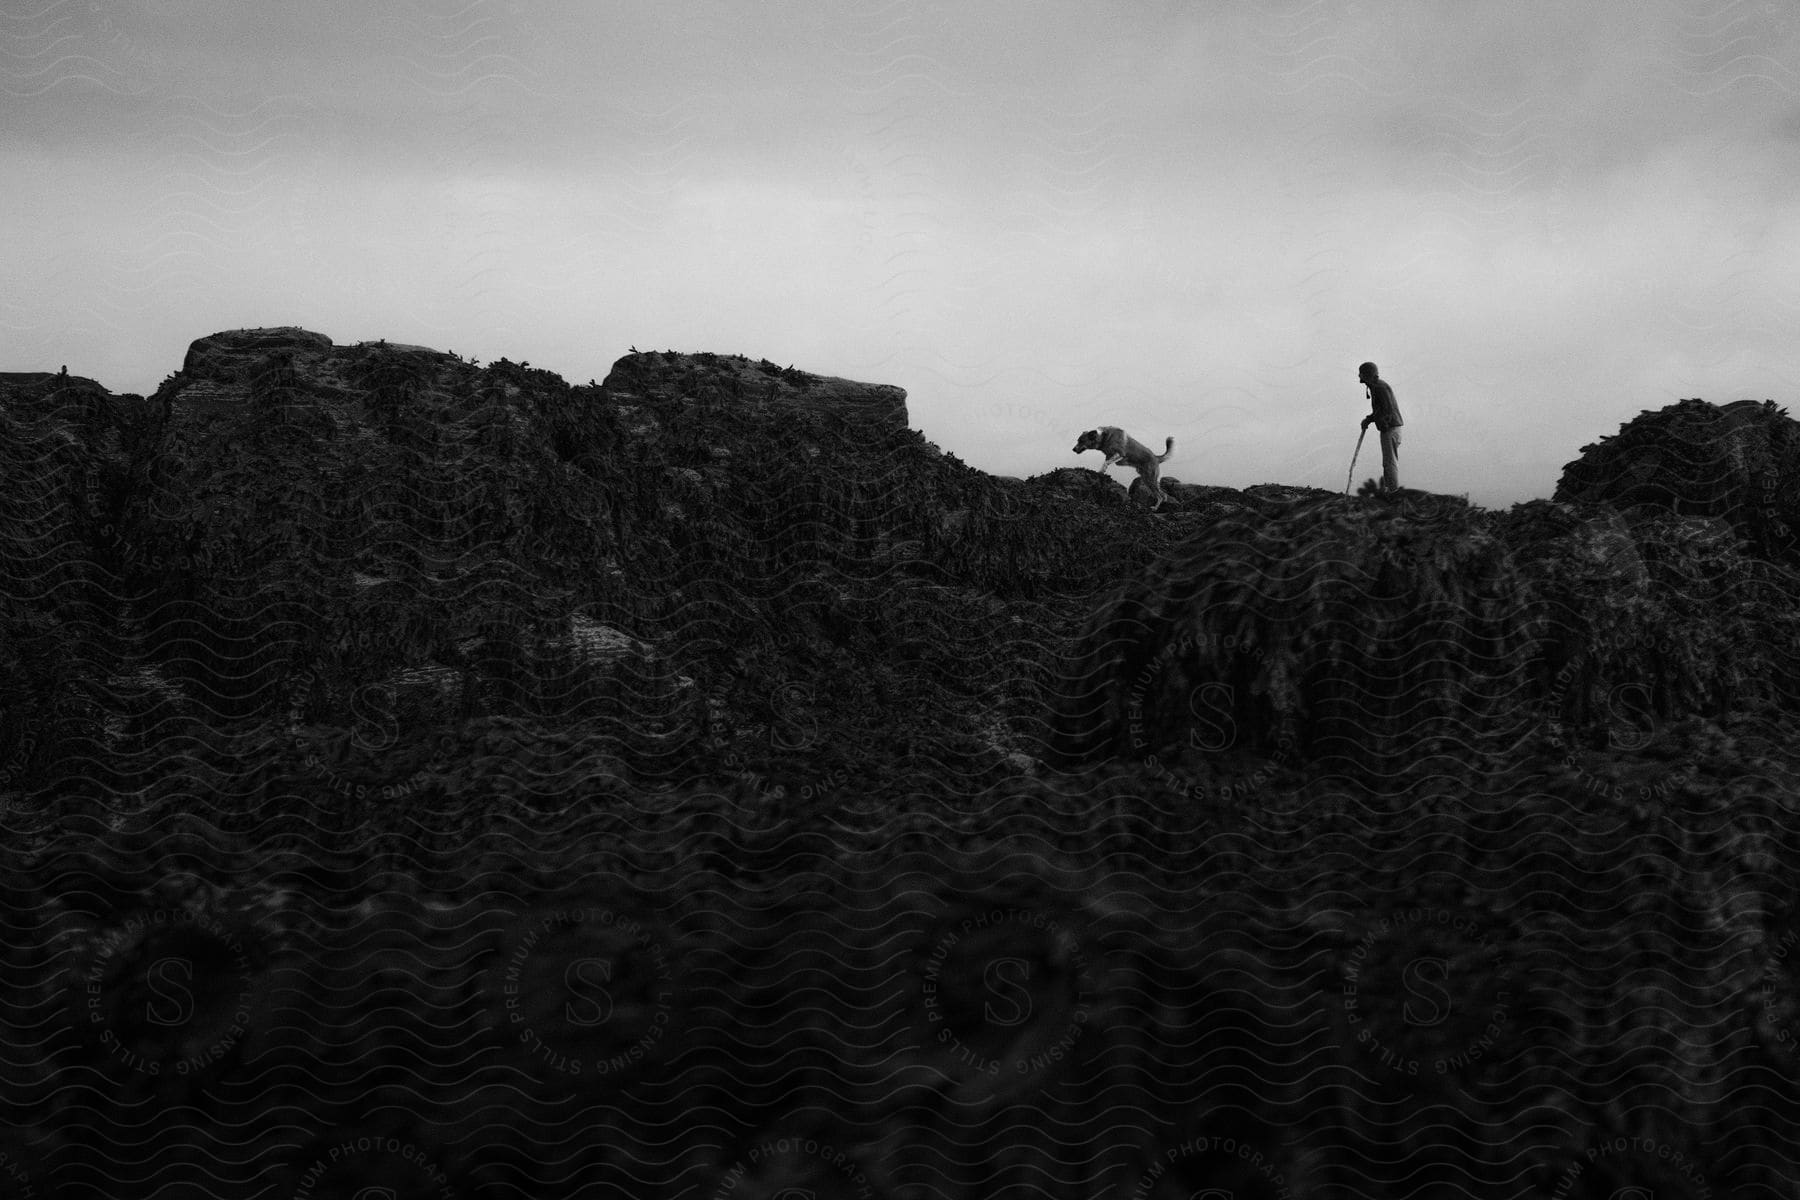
(440, 779)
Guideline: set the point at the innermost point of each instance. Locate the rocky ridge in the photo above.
(654, 772)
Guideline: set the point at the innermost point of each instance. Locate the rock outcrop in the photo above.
(645, 784)
(39, 381)
(1366, 637)
(653, 376)
(1357, 635)
(1738, 461)
(224, 356)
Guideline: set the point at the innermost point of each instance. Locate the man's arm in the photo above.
(1382, 406)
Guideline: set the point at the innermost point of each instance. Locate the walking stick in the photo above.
(1352, 474)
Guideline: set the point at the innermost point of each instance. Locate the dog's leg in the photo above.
(1153, 476)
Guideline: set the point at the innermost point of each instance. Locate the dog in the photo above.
(1113, 442)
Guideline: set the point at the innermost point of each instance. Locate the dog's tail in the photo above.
(1168, 449)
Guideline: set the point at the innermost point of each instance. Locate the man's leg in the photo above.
(1390, 459)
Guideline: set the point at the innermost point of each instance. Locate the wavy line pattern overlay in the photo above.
(421, 778)
(442, 780)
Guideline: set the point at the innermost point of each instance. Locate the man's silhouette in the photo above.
(1386, 415)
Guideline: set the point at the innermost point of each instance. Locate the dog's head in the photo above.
(1087, 441)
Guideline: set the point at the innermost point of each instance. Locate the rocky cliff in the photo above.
(439, 777)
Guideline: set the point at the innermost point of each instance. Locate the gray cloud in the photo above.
(1539, 218)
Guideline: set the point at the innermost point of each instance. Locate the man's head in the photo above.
(1367, 372)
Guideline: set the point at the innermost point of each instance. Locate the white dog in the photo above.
(1112, 441)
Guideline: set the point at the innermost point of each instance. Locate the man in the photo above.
(1386, 416)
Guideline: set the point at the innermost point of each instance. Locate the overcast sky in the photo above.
(1188, 219)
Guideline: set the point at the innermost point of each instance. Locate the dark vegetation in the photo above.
(697, 783)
